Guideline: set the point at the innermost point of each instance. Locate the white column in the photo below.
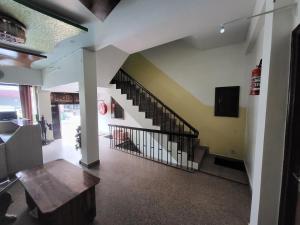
(88, 110)
(271, 117)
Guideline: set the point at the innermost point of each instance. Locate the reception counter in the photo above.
(20, 146)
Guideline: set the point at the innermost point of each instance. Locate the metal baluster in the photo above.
(131, 140)
(158, 146)
(162, 146)
(152, 147)
(143, 143)
(181, 150)
(109, 127)
(171, 150)
(177, 155)
(153, 156)
(136, 131)
(168, 148)
(146, 144)
(150, 144)
(114, 137)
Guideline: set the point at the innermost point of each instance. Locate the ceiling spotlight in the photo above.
(222, 29)
(222, 26)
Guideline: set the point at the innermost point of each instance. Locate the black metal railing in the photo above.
(156, 145)
(154, 108)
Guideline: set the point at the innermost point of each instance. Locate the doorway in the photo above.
(65, 115)
(290, 195)
(69, 121)
(56, 122)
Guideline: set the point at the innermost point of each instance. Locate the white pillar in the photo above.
(88, 110)
(271, 117)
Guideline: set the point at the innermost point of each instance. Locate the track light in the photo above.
(222, 29)
(222, 26)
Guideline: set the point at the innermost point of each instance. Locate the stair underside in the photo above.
(159, 117)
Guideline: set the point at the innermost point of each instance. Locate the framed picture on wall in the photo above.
(117, 112)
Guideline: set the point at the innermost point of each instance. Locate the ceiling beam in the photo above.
(50, 13)
(101, 9)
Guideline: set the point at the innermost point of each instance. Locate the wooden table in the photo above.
(64, 194)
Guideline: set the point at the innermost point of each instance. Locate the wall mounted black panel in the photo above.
(227, 101)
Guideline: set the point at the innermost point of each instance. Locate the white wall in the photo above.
(109, 61)
(21, 76)
(70, 68)
(271, 116)
(252, 59)
(205, 69)
(297, 15)
(67, 70)
(104, 120)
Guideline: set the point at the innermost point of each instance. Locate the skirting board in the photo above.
(93, 164)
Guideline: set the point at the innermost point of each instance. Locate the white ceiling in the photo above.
(136, 25)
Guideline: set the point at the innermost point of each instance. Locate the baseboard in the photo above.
(90, 165)
(230, 163)
(247, 172)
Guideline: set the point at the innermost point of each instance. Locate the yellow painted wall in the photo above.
(223, 135)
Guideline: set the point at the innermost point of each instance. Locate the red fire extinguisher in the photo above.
(102, 108)
(255, 80)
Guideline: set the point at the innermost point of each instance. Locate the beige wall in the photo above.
(200, 71)
(223, 135)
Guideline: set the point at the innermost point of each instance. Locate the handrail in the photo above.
(160, 102)
(155, 131)
(170, 148)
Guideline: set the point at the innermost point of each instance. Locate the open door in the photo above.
(290, 195)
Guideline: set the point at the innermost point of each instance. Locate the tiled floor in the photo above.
(137, 191)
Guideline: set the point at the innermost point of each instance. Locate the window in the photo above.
(10, 99)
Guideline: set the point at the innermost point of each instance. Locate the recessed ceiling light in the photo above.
(222, 29)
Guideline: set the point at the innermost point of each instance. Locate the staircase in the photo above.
(177, 129)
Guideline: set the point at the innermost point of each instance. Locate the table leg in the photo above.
(30, 203)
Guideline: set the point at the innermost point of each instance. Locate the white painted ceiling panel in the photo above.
(136, 25)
